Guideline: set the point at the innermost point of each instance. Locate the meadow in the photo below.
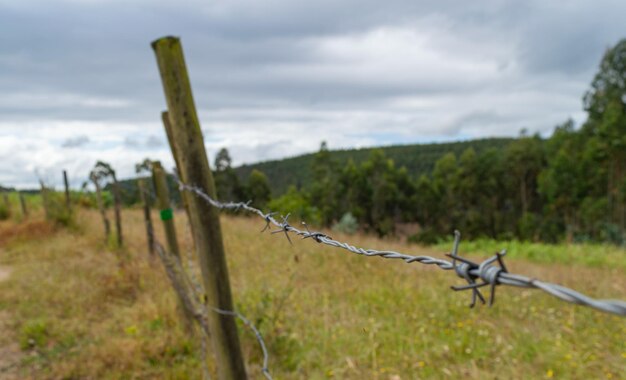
(74, 307)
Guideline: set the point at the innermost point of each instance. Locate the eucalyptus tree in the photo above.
(104, 170)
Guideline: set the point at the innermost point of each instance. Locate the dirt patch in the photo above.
(28, 230)
(4, 273)
(10, 354)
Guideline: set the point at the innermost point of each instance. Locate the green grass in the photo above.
(592, 255)
(324, 312)
(33, 205)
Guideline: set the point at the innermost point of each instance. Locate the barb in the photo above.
(466, 269)
(284, 227)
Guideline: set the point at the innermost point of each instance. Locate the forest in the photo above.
(570, 186)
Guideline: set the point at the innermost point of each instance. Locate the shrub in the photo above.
(347, 224)
(4, 212)
(297, 204)
(34, 334)
(57, 210)
(427, 236)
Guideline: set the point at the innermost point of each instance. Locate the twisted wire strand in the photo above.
(257, 334)
(486, 271)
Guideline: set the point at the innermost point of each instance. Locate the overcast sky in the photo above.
(273, 78)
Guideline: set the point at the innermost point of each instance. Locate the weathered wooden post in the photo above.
(163, 203)
(167, 217)
(107, 226)
(117, 198)
(168, 131)
(68, 202)
(193, 167)
(23, 204)
(146, 215)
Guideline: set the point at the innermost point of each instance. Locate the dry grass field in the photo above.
(73, 308)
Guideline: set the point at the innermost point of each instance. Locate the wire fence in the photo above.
(491, 272)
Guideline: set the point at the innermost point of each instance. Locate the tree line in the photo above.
(570, 186)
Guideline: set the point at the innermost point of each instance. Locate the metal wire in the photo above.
(490, 274)
(189, 291)
(200, 290)
(257, 334)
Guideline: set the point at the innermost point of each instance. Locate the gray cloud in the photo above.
(356, 72)
(131, 142)
(75, 142)
(153, 142)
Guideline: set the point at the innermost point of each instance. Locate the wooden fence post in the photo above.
(23, 204)
(165, 117)
(163, 203)
(205, 224)
(68, 202)
(146, 215)
(107, 226)
(167, 216)
(117, 198)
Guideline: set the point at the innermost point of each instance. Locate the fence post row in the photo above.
(193, 167)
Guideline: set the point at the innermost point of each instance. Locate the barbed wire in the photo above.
(486, 271)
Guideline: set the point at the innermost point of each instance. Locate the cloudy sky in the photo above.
(273, 78)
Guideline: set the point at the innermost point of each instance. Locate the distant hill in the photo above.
(417, 158)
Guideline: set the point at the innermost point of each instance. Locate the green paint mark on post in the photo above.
(167, 214)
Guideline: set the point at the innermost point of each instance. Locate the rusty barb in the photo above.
(477, 275)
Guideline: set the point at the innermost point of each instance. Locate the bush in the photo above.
(348, 224)
(297, 205)
(4, 212)
(426, 236)
(612, 233)
(57, 210)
